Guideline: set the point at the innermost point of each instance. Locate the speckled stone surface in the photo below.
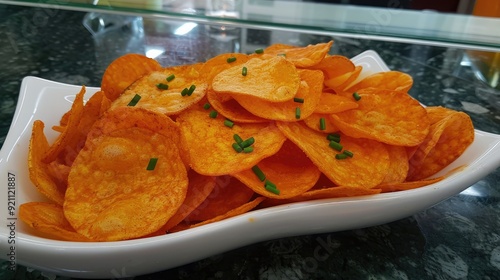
(456, 239)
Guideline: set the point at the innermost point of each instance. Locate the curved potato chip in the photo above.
(48, 218)
(274, 80)
(358, 171)
(446, 141)
(228, 194)
(341, 84)
(302, 57)
(331, 103)
(39, 171)
(309, 91)
(124, 71)
(166, 97)
(399, 165)
(289, 169)
(221, 62)
(403, 186)
(387, 116)
(314, 122)
(113, 193)
(393, 80)
(231, 109)
(208, 143)
(334, 66)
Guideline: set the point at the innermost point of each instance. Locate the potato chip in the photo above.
(124, 174)
(228, 194)
(341, 85)
(331, 103)
(335, 66)
(48, 218)
(289, 169)
(392, 80)
(446, 141)
(124, 71)
(39, 172)
(399, 165)
(403, 186)
(231, 109)
(221, 62)
(357, 171)
(274, 80)
(387, 116)
(306, 100)
(302, 57)
(208, 142)
(155, 93)
(314, 122)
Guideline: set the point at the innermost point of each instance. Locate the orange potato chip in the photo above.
(155, 93)
(446, 141)
(302, 57)
(393, 80)
(274, 80)
(309, 92)
(289, 169)
(208, 142)
(231, 109)
(331, 103)
(358, 171)
(314, 122)
(334, 66)
(278, 48)
(39, 171)
(124, 71)
(387, 116)
(228, 194)
(221, 62)
(112, 185)
(403, 186)
(48, 219)
(399, 165)
(341, 87)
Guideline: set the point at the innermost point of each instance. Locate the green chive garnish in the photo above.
(271, 187)
(356, 96)
(206, 106)
(191, 90)
(237, 147)
(162, 86)
(297, 113)
(152, 164)
(170, 78)
(134, 100)
(335, 145)
(298, 100)
(238, 139)
(333, 137)
(184, 92)
(259, 173)
(231, 59)
(259, 51)
(322, 124)
(282, 54)
(244, 71)
(228, 123)
(348, 153)
(213, 114)
(340, 156)
(248, 149)
(247, 143)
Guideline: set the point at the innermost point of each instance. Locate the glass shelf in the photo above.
(391, 23)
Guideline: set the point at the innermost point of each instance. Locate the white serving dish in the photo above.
(47, 100)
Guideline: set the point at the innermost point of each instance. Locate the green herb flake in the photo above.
(259, 173)
(356, 96)
(170, 78)
(231, 59)
(152, 164)
(134, 100)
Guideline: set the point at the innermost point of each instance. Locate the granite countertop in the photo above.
(456, 239)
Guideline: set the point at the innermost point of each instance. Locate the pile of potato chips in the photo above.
(160, 150)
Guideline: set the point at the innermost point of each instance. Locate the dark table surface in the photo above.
(458, 238)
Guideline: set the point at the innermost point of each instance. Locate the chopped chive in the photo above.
(134, 100)
(333, 137)
(191, 90)
(271, 187)
(341, 156)
(152, 164)
(237, 138)
(231, 59)
(282, 54)
(237, 147)
(162, 86)
(322, 124)
(335, 145)
(348, 153)
(184, 92)
(170, 78)
(247, 143)
(259, 51)
(259, 173)
(206, 106)
(248, 149)
(297, 113)
(244, 71)
(213, 114)
(298, 100)
(356, 96)
(228, 123)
